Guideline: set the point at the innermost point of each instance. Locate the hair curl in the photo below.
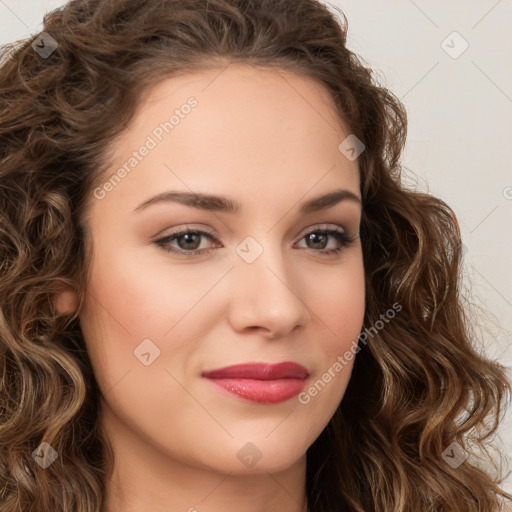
(409, 387)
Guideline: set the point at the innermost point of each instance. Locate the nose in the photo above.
(267, 298)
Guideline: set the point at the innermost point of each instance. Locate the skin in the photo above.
(269, 140)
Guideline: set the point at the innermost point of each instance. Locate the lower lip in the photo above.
(262, 391)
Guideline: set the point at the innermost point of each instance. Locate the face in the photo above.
(272, 282)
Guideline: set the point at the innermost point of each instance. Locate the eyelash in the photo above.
(345, 239)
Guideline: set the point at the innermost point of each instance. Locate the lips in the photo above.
(260, 382)
(259, 371)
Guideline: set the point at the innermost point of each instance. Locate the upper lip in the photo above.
(259, 371)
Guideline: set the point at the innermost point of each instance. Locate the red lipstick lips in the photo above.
(261, 382)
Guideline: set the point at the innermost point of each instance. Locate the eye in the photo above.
(319, 239)
(189, 241)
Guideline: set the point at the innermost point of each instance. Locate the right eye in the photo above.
(188, 239)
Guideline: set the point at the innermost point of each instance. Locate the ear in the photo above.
(64, 298)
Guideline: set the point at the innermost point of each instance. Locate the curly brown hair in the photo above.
(429, 385)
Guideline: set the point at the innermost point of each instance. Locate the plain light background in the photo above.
(449, 63)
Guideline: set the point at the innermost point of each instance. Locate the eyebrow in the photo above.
(223, 204)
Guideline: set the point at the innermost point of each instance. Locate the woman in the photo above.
(311, 349)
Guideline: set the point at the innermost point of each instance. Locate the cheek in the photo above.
(337, 299)
(339, 307)
(336, 355)
(130, 301)
(144, 297)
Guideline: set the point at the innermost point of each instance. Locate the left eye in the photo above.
(189, 241)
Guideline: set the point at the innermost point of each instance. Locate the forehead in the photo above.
(250, 130)
(240, 105)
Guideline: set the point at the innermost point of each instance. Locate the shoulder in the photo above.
(507, 507)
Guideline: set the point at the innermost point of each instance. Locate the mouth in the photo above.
(262, 383)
